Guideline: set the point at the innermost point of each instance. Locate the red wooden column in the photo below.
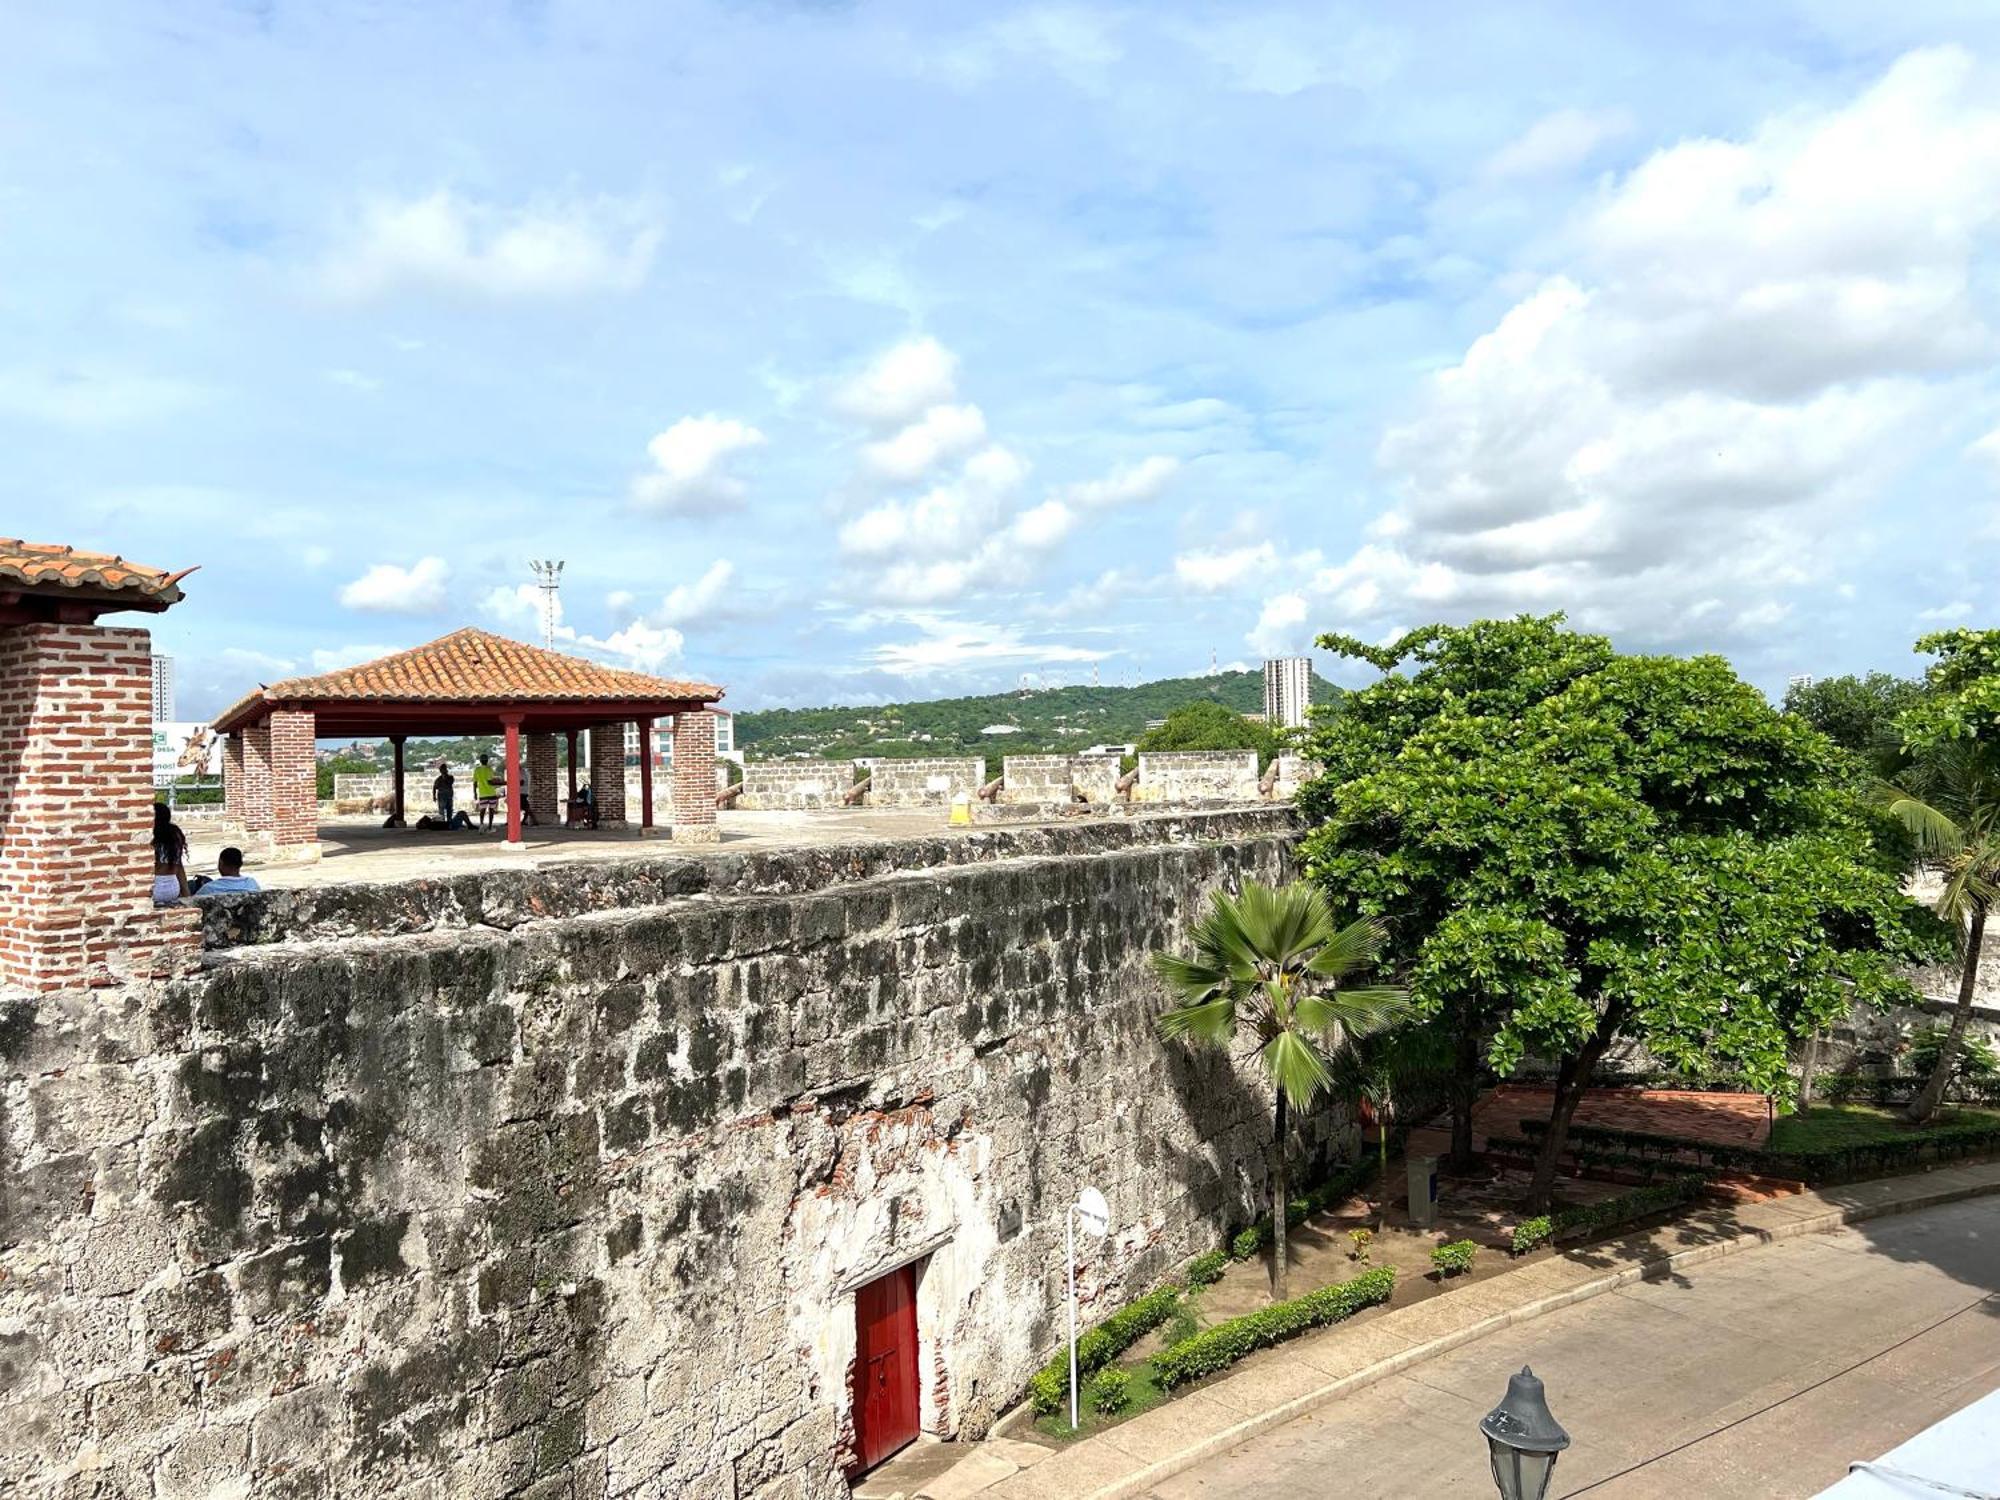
(572, 772)
(396, 817)
(512, 765)
(645, 774)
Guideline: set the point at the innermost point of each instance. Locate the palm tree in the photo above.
(1270, 963)
(1950, 803)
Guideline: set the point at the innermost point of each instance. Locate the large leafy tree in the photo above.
(1569, 846)
(1949, 799)
(1860, 714)
(1269, 965)
(1211, 726)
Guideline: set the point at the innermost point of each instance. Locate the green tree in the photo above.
(1210, 726)
(1963, 701)
(1270, 964)
(1383, 1071)
(1950, 802)
(1570, 846)
(1860, 714)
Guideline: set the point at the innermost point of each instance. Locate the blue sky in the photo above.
(858, 351)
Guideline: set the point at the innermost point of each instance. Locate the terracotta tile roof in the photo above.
(473, 667)
(93, 575)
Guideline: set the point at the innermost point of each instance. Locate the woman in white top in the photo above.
(170, 881)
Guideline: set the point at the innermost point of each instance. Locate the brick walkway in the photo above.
(1693, 1114)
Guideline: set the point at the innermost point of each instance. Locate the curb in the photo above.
(1136, 1482)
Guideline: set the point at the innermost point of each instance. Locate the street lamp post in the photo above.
(1523, 1439)
(1095, 1215)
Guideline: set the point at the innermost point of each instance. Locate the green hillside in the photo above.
(1066, 718)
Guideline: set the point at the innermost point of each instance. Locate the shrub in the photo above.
(1454, 1259)
(1220, 1347)
(1205, 1270)
(1049, 1387)
(1110, 1390)
(1337, 1188)
(1362, 1238)
(1530, 1233)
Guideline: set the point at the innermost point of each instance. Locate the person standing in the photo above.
(170, 846)
(442, 790)
(485, 791)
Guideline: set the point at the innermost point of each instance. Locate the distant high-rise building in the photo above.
(1287, 691)
(1801, 682)
(163, 689)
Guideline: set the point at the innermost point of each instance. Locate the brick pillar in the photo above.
(294, 784)
(544, 790)
(607, 773)
(694, 778)
(233, 797)
(76, 809)
(257, 777)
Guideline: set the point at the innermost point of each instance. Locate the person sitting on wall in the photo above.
(228, 879)
(442, 790)
(170, 847)
(485, 792)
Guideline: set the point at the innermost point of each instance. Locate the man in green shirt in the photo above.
(485, 791)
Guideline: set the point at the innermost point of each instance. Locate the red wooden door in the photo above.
(885, 1365)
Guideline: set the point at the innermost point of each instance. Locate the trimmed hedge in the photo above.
(1846, 1088)
(1218, 1348)
(1049, 1388)
(1588, 1217)
(1110, 1390)
(1205, 1270)
(1455, 1258)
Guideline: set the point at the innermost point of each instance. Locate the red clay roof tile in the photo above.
(46, 565)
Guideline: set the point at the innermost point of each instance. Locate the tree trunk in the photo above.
(1571, 1081)
(1464, 1091)
(1925, 1104)
(1280, 1200)
(1382, 1159)
(1808, 1066)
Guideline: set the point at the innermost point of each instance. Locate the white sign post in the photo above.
(1094, 1214)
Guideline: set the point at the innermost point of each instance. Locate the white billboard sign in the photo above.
(183, 750)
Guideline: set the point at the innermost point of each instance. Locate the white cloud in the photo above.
(1957, 611)
(1212, 572)
(1669, 439)
(945, 643)
(899, 385)
(444, 242)
(1134, 484)
(389, 589)
(688, 601)
(643, 646)
(1557, 142)
(354, 380)
(1280, 628)
(940, 434)
(690, 471)
(266, 668)
(1043, 526)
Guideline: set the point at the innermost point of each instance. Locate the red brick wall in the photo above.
(545, 787)
(607, 772)
(694, 778)
(256, 800)
(76, 796)
(233, 800)
(294, 787)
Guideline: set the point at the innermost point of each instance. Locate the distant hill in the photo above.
(1064, 718)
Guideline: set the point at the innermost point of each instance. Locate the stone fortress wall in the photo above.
(560, 1182)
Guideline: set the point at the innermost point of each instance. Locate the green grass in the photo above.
(1145, 1393)
(1827, 1127)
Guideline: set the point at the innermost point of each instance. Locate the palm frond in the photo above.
(1353, 947)
(1193, 979)
(1212, 1021)
(1359, 1011)
(1937, 833)
(1297, 1067)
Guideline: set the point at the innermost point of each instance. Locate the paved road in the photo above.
(1757, 1375)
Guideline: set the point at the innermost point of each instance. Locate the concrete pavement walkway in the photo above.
(1758, 1376)
(1277, 1387)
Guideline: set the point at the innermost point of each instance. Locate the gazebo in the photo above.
(470, 682)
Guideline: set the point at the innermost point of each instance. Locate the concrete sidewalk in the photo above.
(1278, 1385)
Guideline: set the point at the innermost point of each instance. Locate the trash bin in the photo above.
(1423, 1172)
